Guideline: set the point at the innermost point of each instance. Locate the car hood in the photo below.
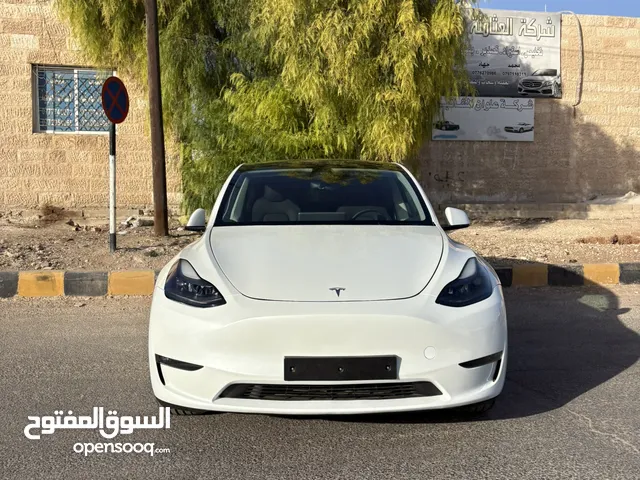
(304, 262)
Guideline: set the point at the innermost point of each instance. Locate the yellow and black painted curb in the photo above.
(539, 275)
(43, 283)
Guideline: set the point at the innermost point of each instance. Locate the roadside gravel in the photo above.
(56, 245)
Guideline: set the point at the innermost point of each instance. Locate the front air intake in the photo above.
(301, 392)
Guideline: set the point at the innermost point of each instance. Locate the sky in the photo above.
(619, 8)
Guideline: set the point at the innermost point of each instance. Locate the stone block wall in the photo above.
(64, 169)
(592, 149)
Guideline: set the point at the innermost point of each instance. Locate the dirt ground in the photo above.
(506, 243)
(53, 244)
(58, 246)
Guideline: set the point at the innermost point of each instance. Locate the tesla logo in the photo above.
(337, 290)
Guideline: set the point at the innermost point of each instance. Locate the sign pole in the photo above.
(115, 103)
(112, 187)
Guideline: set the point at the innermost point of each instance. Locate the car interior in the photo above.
(282, 198)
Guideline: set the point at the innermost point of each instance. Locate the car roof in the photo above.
(319, 164)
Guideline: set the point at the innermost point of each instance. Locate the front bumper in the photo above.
(546, 90)
(245, 342)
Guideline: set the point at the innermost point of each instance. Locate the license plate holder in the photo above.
(380, 367)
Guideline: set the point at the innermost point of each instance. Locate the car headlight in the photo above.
(547, 83)
(472, 285)
(184, 285)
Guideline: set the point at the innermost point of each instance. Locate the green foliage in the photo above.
(259, 80)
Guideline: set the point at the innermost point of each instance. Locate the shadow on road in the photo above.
(563, 342)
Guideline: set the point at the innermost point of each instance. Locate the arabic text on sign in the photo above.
(493, 27)
(528, 28)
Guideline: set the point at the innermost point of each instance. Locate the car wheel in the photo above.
(521, 130)
(182, 411)
(478, 408)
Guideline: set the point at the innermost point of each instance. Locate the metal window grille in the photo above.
(69, 100)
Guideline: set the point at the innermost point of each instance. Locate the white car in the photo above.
(326, 287)
(519, 128)
(542, 83)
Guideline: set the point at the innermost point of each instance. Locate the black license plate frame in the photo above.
(376, 367)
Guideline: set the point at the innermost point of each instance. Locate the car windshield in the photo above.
(322, 196)
(545, 73)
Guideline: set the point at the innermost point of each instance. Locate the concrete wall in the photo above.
(590, 150)
(69, 170)
(593, 149)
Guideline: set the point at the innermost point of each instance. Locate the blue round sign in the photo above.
(115, 100)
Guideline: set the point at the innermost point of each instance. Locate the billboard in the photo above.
(494, 118)
(514, 54)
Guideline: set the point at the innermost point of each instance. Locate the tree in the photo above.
(256, 80)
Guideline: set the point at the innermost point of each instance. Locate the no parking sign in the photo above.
(115, 100)
(115, 103)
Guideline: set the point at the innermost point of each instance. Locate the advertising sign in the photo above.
(498, 119)
(514, 54)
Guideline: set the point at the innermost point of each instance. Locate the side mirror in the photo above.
(457, 219)
(197, 221)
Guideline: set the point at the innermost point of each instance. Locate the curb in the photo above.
(141, 282)
(77, 284)
(569, 275)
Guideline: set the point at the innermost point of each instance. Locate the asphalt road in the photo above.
(570, 408)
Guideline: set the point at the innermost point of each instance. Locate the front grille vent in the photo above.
(361, 391)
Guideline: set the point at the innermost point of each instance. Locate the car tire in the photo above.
(182, 411)
(521, 130)
(478, 408)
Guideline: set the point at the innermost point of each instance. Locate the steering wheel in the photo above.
(368, 210)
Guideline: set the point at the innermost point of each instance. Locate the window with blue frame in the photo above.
(69, 100)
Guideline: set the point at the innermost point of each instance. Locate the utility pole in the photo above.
(160, 211)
